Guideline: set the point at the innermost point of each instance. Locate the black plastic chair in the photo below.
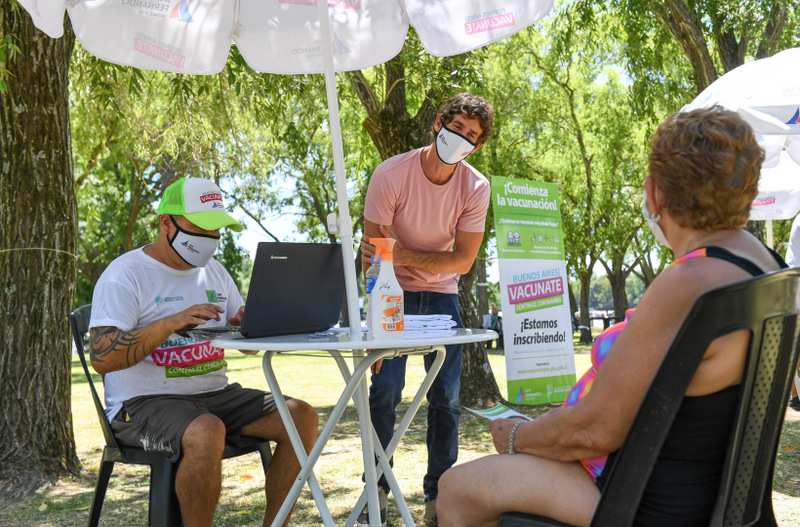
(768, 306)
(164, 510)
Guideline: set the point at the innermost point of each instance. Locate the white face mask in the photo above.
(452, 147)
(652, 222)
(194, 249)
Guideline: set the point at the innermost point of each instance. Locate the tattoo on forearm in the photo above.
(107, 340)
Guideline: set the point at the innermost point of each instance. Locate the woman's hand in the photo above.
(500, 431)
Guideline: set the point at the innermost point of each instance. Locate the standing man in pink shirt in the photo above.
(434, 204)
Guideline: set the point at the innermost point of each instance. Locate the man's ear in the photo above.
(164, 225)
(437, 123)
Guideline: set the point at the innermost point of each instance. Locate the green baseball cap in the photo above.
(200, 202)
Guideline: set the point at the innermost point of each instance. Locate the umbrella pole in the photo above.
(770, 235)
(345, 222)
(346, 234)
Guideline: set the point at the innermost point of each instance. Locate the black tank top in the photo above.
(683, 487)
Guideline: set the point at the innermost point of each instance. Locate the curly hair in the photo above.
(706, 163)
(469, 105)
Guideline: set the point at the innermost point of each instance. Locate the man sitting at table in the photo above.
(434, 204)
(168, 392)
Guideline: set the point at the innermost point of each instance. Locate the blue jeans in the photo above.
(443, 398)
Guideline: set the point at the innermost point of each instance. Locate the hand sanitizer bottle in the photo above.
(385, 310)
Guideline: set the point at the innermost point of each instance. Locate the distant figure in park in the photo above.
(793, 259)
(167, 391)
(434, 204)
(492, 320)
(703, 175)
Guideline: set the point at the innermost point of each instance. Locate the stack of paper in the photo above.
(426, 326)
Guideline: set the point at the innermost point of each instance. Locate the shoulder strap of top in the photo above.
(713, 251)
(778, 258)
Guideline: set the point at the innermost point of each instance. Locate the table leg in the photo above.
(307, 462)
(383, 457)
(385, 467)
(297, 445)
(367, 448)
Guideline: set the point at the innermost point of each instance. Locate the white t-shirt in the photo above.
(136, 290)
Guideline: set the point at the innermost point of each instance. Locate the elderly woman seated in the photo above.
(703, 175)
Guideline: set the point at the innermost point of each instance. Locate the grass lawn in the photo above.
(315, 379)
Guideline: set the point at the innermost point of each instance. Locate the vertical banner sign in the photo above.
(537, 326)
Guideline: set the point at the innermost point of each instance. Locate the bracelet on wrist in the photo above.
(513, 435)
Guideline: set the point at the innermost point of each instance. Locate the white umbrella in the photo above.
(284, 36)
(288, 36)
(766, 93)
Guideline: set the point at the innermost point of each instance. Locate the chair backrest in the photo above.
(768, 307)
(79, 322)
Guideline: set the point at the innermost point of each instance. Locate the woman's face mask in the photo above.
(652, 223)
(194, 249)
(452, 147)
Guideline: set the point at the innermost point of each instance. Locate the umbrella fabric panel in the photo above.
(364, 33)
(450, 27)
(178, 36)
(778, 192)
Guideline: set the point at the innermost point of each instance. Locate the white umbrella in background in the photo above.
(288, 36)
(284, 36)
(766, 93)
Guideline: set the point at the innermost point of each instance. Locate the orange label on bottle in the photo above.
(392, 316)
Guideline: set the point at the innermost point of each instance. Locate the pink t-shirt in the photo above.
(426, 216)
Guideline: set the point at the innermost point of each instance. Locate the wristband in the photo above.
(513, 435)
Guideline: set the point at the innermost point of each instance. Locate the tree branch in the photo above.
(365, 93)
(676, 16)
(257, 220)
(395, 83)
(773, 31)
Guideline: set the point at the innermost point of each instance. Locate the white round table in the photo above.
(365, 353)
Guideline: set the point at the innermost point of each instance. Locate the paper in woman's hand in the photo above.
(498, 411)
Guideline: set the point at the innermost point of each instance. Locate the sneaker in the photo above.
(794, 404)
(430, 514)
(383, 501)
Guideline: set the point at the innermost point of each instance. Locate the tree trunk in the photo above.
(617, 281)
(38, 223)
(585, 279)
(479, 387)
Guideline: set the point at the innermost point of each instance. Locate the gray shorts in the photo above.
(157, 422)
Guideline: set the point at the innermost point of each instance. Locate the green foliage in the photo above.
(8, 50)
(232, 257)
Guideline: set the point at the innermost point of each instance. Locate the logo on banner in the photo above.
(354, 5)
(536, 294)
(157, 8)
(795, 118)
(763, 202)
(159, 51)
(489, 21)
(181, 11)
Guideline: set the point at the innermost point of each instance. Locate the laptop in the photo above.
(294, 288)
